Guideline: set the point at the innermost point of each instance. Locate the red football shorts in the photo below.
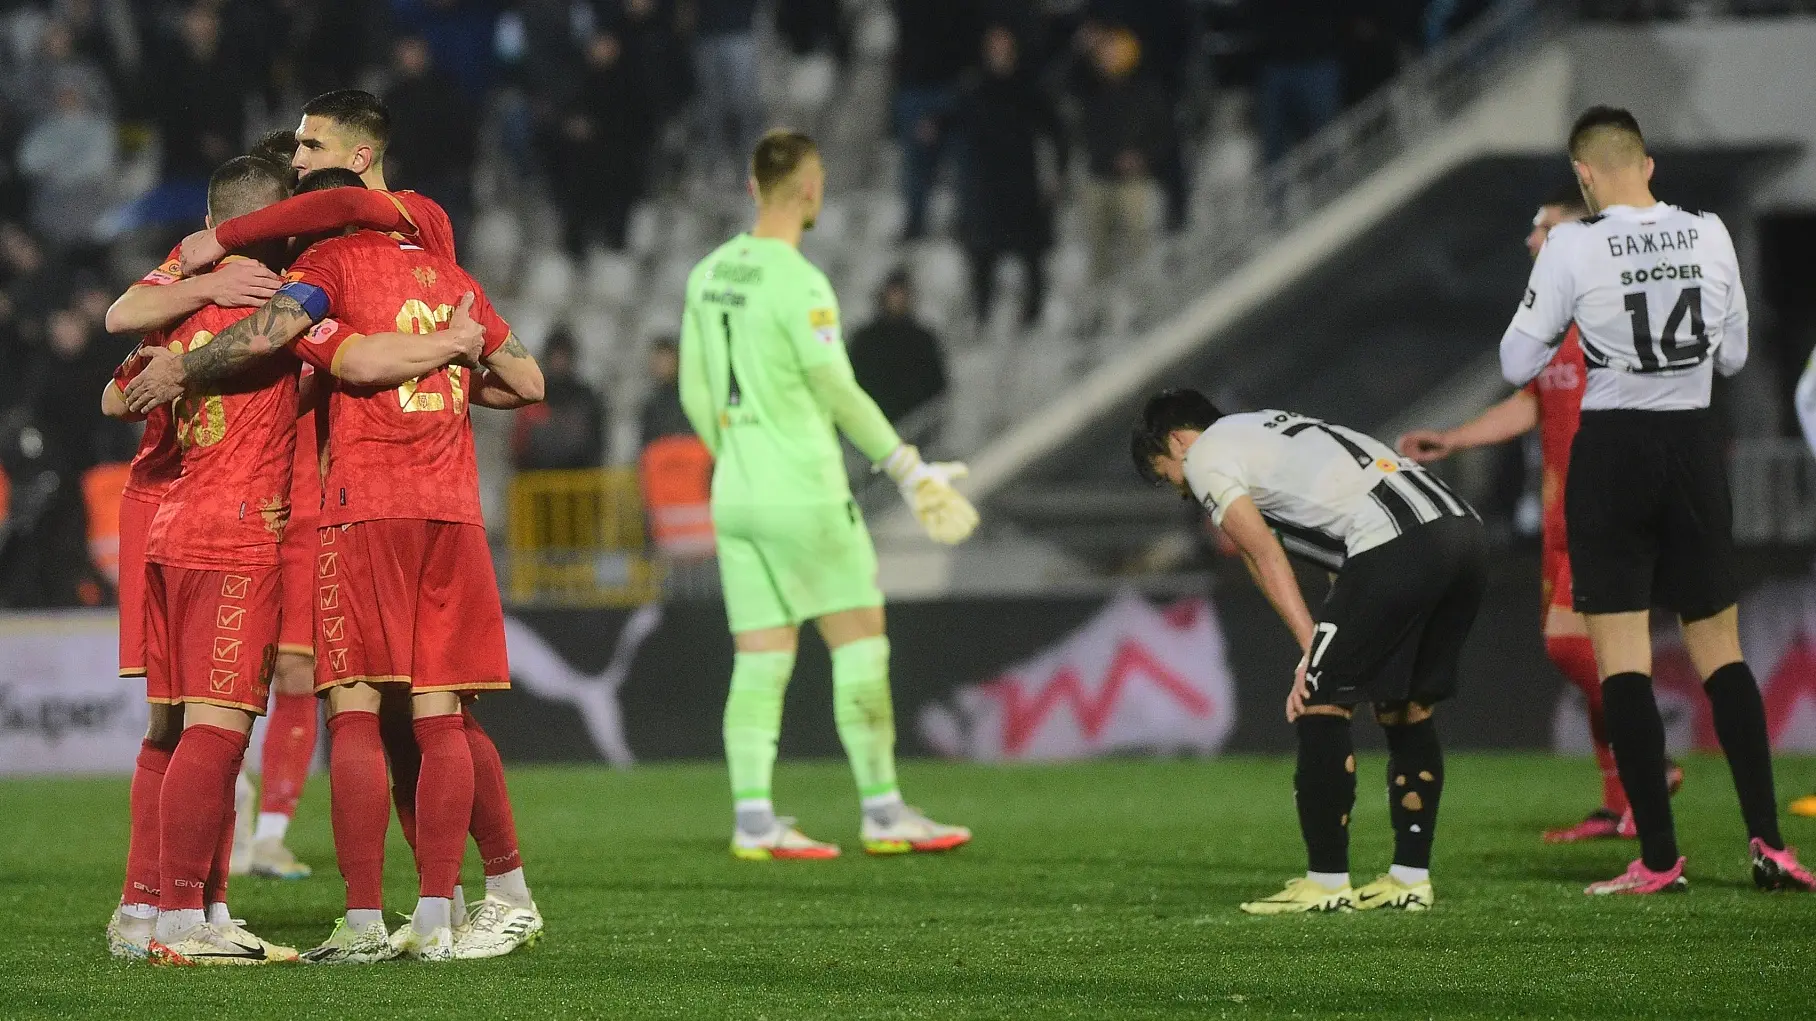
(135, 525)
(403, 601)
(211, 636)
(296, 568)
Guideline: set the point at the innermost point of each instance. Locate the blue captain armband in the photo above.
(313, 299)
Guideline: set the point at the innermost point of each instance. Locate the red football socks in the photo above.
(289, 745)
(494, 828)
(356, 777)
(399, 737)
(444, 803)
(1574, 656)
(197, 796)
(141, 886)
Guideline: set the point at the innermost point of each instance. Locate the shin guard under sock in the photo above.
(1415, 782)
(1324, 789)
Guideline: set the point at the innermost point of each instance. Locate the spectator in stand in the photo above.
(898, 361)
(674, 468)
(725, 67)
(1127, 131)
(1005, 207)
(32, 282)
(567, 430)
(662, 414)
(1300, 47)
(1167, 30)
(199, 102)
(936, 40)
(602, 148)
(434, 131)
(70, 158)
(32, 84)
(813, 26)
(652, 52)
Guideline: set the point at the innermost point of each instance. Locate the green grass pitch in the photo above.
(1091, 891)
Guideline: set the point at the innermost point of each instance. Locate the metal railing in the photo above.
(575, 538)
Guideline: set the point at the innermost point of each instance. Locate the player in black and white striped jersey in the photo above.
(1408, 555)
(1656, 295)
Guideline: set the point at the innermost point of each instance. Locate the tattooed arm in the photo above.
(512, 377)
(275, 324)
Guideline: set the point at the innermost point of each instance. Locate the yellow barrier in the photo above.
(576, 539)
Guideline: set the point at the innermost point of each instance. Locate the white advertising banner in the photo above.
(63, 706)
(1134, 678)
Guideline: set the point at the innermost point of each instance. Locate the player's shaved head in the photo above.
(1607, 138)
(355, 111)
(245, 184)
(778, 159)
(328, 177)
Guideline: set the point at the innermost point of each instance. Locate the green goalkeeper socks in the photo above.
(866, 719)
(753, 720)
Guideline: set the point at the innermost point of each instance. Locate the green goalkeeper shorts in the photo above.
(781, 565)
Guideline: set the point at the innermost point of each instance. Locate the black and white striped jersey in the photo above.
(1657, 300)
(1327, 491)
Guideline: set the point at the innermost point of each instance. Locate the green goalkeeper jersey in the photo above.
(764, 377)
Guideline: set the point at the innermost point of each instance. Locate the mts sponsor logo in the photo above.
(1134, 678)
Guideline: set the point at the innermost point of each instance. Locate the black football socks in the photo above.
(1415, 781)
(1324, 788)
(1638, 735)
(1740, 724)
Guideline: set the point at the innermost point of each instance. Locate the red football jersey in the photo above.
(434, 231)
(405, 451)
(168, 272)
(229, 507)
(1560, 392)
(306, 475)
(157, 462)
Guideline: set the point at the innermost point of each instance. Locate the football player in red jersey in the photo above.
(154, 467)
(1551, 403)
(348, 130)
(403, 571)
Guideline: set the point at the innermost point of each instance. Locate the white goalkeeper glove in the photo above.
(942, 510)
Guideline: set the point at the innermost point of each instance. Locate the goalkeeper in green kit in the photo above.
(766, 383)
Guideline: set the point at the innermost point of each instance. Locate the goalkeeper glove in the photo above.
(942, 510)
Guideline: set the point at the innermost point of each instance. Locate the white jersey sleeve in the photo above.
(1538, 325)
(1731, 355)
(1215, 476)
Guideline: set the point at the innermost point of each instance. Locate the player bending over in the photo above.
(1656, 295)
(1408, 557)
(1551, 404)
(766, 383)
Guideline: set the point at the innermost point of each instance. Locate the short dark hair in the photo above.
(1569, 198)
(243, 184)
(277, 146)
(357, 110)
(328, 177)
(1610, 123)
(1165, 412)
(779, 153)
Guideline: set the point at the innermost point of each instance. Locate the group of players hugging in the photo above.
(304, 509)
(1632, 307)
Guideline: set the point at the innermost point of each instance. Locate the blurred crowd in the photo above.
(113, 112)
